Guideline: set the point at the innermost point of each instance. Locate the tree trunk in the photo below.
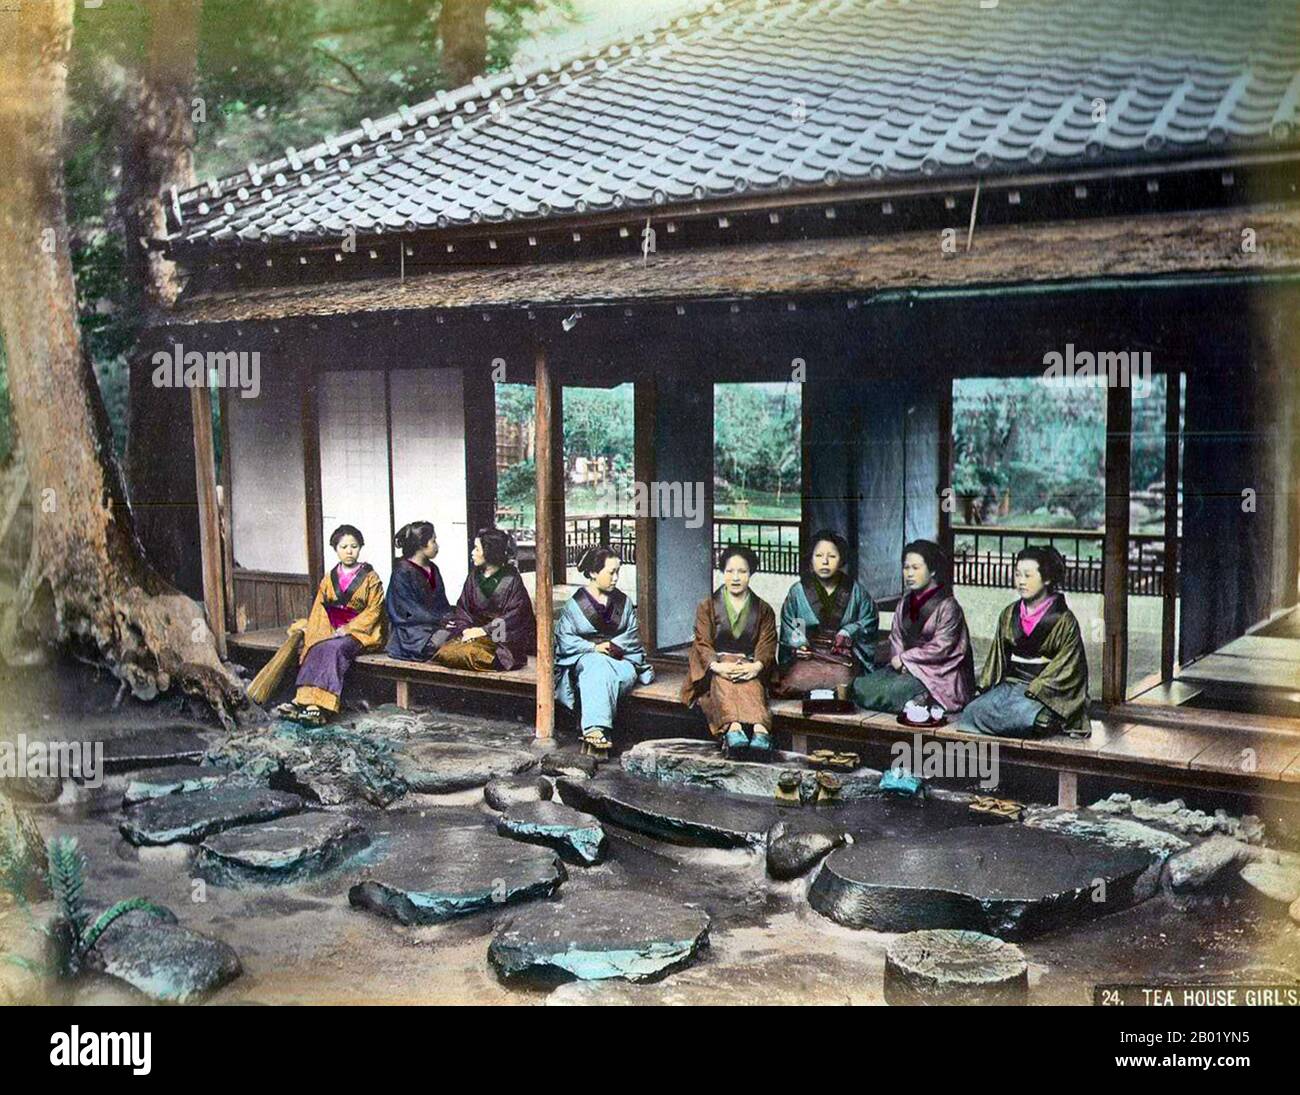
(87, 584)
(462, 26)
(156, 139)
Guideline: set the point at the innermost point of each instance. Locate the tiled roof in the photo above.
(751, 96)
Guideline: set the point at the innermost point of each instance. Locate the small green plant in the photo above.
(72, 935)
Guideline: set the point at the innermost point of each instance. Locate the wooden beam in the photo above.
(644, 399)
(559, 571)
(205, 477)
(311, 475)
(227, 509)
(1173, 479)
(1114, 581)
(544, 602)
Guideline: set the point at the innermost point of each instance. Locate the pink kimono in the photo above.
(934, 646)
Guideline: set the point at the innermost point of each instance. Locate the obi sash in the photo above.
(337, 607)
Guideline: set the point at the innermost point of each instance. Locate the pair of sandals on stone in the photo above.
(304, 715)
(735, 741)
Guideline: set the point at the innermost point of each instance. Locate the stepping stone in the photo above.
(1206, 863)
(435, 869)
(796, 845)
(441, 767)
(634, 936)
(153, 748)
(165, 961)
(285, 850)
(954, 967)
(685, 815)
(700, 764)
(170, 780)
(509, 791)
(1273, 881)
(199, 814)
(571, 765)
(578, 838)
(1004, 880)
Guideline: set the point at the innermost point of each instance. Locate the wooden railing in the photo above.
(984, 555)
(776, 543)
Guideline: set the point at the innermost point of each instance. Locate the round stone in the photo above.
(509, 791)
(441, 767)
(435, 869)
(595, 936)
(286, 850)
(945, 966)
(1005, 880)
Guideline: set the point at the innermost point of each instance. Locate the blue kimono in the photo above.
(810, 613)
(418, 611)
(598, 680)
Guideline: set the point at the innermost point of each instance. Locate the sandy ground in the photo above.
(305, 944)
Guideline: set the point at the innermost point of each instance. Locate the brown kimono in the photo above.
(722, 701)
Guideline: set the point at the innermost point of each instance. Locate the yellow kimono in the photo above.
(357, 608)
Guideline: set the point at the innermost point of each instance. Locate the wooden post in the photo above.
(544, 603)
(1173, 476)
(1119, 441)
(947, 499)
(643, 471)
(1067, 790)
(205, 477)
(311, 478)
(559, 566)
(227, 510)
(480, 451)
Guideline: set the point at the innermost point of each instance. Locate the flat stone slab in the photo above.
(509, 791)
(596, 936)
(171, 779)
(435, 869)
(1007, 880)
(153, 748)
(701, 764)
(691, 815)
(1274, 881)
(441, 767)
(166, 961)
(192, 817)
(578, 837)
(685, 815)
(955, 967)
(285, 850)
(568, 762)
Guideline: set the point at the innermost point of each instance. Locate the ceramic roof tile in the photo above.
(765, 95)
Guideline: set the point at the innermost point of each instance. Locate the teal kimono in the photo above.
(583, 675)
(809, 611)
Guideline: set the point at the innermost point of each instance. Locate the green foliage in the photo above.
(516, 484)
(756, 437)
(72, 938)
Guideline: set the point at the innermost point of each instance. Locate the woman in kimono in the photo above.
(731, 655)
(598, 651)
(418, 609)
(931, 667)
(829, 608)
(1035, 680)
(492, 626)
(347, 619)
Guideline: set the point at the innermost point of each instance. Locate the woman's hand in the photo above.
(803, 652)
(747, 671)
(602, 648)
(896, 663)
(473, 633)
(723, 669)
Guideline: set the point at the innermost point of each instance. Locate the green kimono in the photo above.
(1050, 663)
(810, 611)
